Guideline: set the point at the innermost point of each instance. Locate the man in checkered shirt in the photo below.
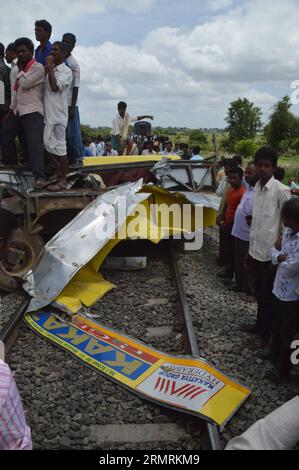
(14, 432)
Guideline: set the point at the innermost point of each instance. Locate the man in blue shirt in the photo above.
(43, 31)
(196, 154)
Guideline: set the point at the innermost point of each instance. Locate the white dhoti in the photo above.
(55, 139)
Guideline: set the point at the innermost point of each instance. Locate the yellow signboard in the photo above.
(188, 384)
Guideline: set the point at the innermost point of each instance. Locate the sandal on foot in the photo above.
(55, 188)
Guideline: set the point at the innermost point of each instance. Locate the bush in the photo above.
(246, 148)
(198, 137)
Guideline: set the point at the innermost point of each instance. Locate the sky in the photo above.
(182, 61)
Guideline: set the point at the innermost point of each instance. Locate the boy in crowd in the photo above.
(285, 255)
(100, 146)
(26, 113)
(196, 154)
(110, 152)
(186, 155)
(233, 199)
(43, 32)
(268, 200)
(168, 152)
(58, 83)
(241, 232)
(73, 135)
(222, 192)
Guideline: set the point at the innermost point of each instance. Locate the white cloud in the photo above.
(216, 5)
(58, 13)
(248, 48)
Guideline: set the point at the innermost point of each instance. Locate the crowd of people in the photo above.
(258, 224)
(258, 217)
(143, 146)
(39, 107)
(38, 104)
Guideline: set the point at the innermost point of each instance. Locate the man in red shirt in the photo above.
(233, 199)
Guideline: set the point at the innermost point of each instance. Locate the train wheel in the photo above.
(23, 251)
(8, 283)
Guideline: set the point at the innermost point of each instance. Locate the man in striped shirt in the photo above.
(14, 432)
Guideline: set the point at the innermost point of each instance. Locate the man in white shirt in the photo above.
(57, 86)
(268, 200)
(100, 146)
(278, 431)
(120, 127)
(92, 146)
(74, 138)
(109, 151)
(149, 149)
(169, 152)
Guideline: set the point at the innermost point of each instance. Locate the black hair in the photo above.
(290, 209)
(45, 25)
(2, 49)
(62, 46)
(238, 160)
(8, 223)
(229, 162)
(279, 173)
(11, 47)
(266, 153)
(24, 42)
(122, 105)
(196, 150)
(236, 171)
(70, 36)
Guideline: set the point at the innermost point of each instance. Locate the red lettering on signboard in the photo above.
(116, 342)
(186, 391)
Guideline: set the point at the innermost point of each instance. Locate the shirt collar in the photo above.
(290, 232)
(47, 47)
(268, 185)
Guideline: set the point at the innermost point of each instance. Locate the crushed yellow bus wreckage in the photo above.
(67, 275)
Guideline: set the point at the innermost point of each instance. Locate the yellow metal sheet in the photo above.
(92, 161)
(88, 286)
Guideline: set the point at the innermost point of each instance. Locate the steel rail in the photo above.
(211, 439)
(9, 333)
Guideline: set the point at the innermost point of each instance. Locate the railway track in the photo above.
(158, 422)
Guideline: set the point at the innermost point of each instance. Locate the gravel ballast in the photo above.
(65, 400)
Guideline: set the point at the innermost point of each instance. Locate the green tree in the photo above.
(244, 121)
(283, 125)
(246, 148)
(198, 137)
